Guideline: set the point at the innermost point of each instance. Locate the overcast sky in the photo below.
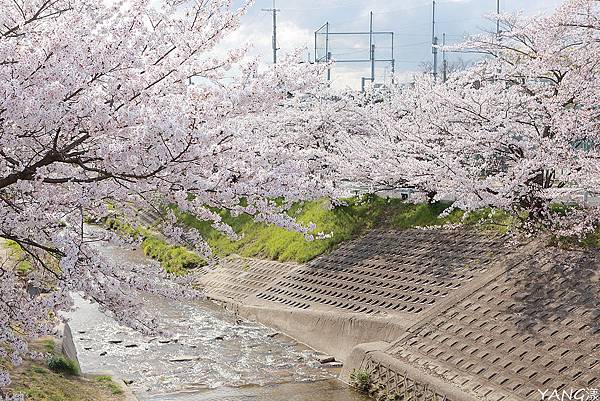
(409, 19)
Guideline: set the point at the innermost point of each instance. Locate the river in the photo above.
(209, 355)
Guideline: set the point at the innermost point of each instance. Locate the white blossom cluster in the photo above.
(518, 131)
(97, 110)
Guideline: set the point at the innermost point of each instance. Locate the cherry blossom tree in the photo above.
(127, 104)
(517, 131)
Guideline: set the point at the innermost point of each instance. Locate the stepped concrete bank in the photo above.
(434, 314)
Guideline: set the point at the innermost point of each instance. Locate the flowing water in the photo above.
(210, 354)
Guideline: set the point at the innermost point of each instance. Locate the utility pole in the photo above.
(498, 20)
(444, 61)
(373, 64)
(327, 52)
(372, 50)
(393, 61)
(434, 42)
(274, 11)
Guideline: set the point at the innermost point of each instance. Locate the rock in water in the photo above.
(325, 358)
(334, 364)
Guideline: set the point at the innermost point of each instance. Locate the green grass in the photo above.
(409, 215)
(271, 242)
(47, 345)
(591, 240)
(38, 383)
(341, 224)
(174, 259)
(426, 215)
(110, 384)
(56, 380)
(345, 222)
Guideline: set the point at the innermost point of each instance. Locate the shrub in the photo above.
(174, 259)
(61, 364)
(361, 379)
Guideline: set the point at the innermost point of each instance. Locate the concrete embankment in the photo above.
(444, 314)
(64, 342)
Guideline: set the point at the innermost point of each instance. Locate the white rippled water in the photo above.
(214, 349)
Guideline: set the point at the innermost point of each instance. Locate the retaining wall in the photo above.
(369, 289)
(434, 314)
(533, 328)
(64, 342)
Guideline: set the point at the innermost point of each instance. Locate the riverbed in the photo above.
(209, 353)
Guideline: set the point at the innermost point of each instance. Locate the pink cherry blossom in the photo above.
(128, 104)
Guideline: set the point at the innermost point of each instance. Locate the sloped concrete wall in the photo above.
(64, 342)
(370, 289)
(236, 278)
(329, 332)
(532, 328)
(445, 315)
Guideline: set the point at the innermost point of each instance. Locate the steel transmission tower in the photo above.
(327, 55)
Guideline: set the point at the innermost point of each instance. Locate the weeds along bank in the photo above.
(333, 226)
(54, 377)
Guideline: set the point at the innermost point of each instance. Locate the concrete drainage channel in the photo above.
(434, 314)
(201, 352)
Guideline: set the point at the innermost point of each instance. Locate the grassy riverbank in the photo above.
(271, 242)
(176, 260)
(339, 224)
(57, 379)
